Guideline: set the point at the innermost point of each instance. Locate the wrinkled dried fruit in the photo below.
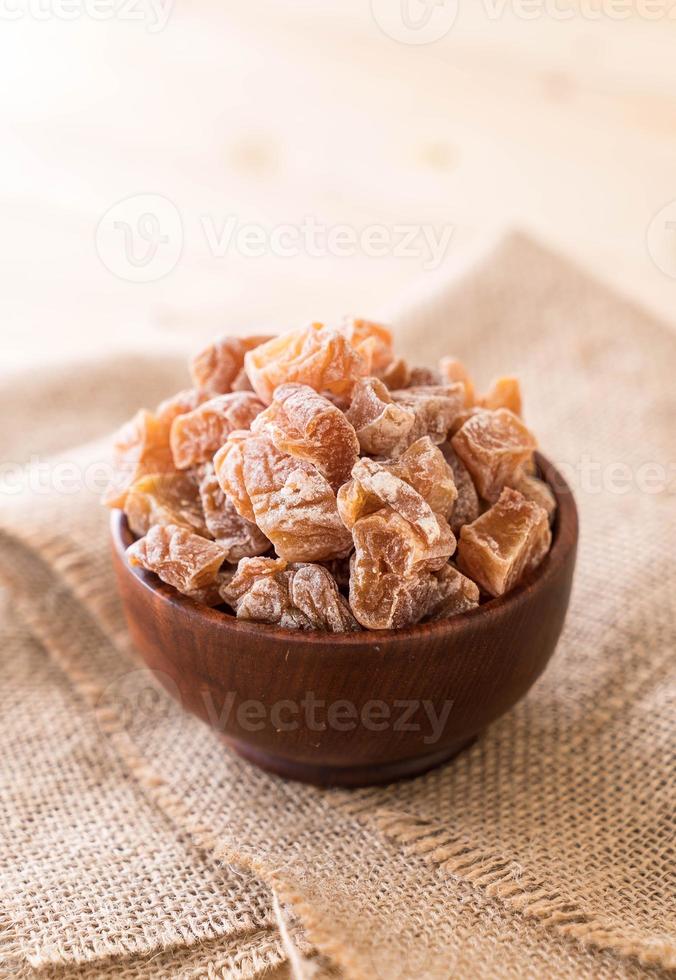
(185, 401)
(377, 336)
(452, 370)
(289, 499)
(165, 498)
(396, 374)
(316, 356)
(197, 435)
(238, 537)
(380, 423)
(302, 596)
(454, 594)
(467, 507)
(493, 446)
(423, 377)
(435, 408)
(503, 393)
(418, 485)
(210, 595)
(140, 447)
(536, 491)
(180, 558)
(306, 425)
(219, 366)
(508, 540)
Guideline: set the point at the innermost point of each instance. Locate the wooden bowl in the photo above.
(359, 708)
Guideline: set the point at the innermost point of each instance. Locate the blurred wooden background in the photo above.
(273, 111)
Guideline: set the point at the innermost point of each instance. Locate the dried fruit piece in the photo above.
(340, 572)
(306, 425)
(467, 507)
(180, 558)
(238, 537)
(423, 377)
(377, 336)
(219, 366)
(301, 596)
(503, 393)
(535, 490)
(381, 425)
(396, 374)
(316, 356)
(165, 498)
(454, 594)
(229, 470)
(140, 447)
(391, 584)
(510, 539)
(453, 370)
(241, 382)
(418, 485)
(289, 499)
(435, 408)
(494, 446)
(210, 595)
(180, 403)
(197, 435)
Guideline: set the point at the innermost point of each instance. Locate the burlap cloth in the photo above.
(134, 845)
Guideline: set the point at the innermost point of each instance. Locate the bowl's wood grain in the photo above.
(257, 683)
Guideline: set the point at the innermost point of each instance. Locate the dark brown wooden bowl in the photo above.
(360, 708)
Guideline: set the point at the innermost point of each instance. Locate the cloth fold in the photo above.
(542, 850)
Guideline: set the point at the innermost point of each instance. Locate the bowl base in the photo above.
(371, 774)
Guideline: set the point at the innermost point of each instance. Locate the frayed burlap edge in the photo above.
(499, 879)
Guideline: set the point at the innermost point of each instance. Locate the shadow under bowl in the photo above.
(360, 708)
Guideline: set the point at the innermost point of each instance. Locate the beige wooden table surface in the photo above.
(264, 119)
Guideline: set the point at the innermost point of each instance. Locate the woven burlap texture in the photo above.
(542, 851)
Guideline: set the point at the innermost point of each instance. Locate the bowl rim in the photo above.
(564, 538)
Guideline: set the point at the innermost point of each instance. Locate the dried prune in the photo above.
(503, 393)
(140, 447)
(219, 366)
(380, 423)
(197, 435)
(452, 370)
(297, 596)
(306, 425)
(179, 557)
(238, 537)
(494, 446)
(508, 540)
(467, 507)
(165, 498)
(316, 356)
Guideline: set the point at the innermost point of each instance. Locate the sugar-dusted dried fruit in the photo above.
(503, 393)
(380, 423)
(241, 382)
(423, 377)
(396, 374)
(165, 498)
(229, 470)
(391, 584)
(140, 447)
(452, 370)
(210, 595)
(535, 490)
(508, 540)
(316, 356)
(238, 537)
(435, 408)
(467, 507)
(300, 596)
(218, 367)
(289, 499)
(377, 336)
(304, 424)
(494, 446)
(180, 403)
(197, 435)
(179, 557)
(453, 593)
(418, 485)
(462, 417)
(340, 572)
